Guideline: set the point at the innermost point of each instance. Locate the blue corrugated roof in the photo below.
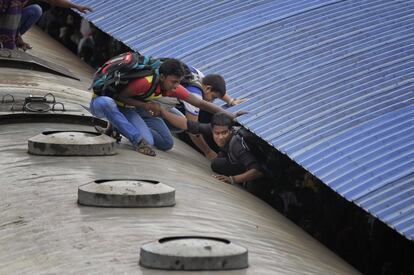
(330, 83)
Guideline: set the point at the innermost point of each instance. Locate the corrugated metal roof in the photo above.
(330, 83)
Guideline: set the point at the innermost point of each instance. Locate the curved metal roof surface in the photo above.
(43, 230)
(330, 83)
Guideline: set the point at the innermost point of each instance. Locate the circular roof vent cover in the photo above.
(193, 253)
(126, 193)
(37, 107)
(71, 143)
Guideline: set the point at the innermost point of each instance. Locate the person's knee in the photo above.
(169, 144)
(103, 106)
(166, 144)
(105, 102)
(36, 12)
(33, 13)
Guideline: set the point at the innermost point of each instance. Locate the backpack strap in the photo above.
(151, 90)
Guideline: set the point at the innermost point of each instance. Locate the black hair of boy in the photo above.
(221, 119)
(172, 66)
(216, 82)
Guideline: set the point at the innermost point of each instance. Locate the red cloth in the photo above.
(142, 85)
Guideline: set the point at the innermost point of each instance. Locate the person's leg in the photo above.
(104, 106)
(139, 123)
(163, 139)
(223, 167)
(9, 23)
(30, 15)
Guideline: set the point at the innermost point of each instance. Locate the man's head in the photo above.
(221, 126)
(214, 87)
(171, 73)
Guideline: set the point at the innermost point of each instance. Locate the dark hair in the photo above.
(221, 119)
(172, 66)
(216, 82)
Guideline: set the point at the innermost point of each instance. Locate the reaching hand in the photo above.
(240, 113)
(237, 101)
(83, 9)
(224, 178)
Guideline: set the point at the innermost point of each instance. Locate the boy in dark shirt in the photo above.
(234, 163)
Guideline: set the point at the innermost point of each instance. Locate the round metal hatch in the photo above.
(71, 143)
(126, 193)
(193, 253)
(37, 107)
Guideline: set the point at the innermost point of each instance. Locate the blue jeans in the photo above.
(134, 124)
(30, 15)
(125, 120)
(161, 134)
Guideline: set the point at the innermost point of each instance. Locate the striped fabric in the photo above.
(10, 13)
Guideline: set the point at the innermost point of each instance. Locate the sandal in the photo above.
(145, 148)
(110, 131)
(101, 130)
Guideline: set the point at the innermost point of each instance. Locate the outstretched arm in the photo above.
(199, 141)
(175, 120)
(232, 101)
(207, 106)
(249, 175)
(182, 122)
(68, 4)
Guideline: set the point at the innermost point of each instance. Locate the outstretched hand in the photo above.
(224, 178)
(237, 101)
(83, 9)
(240, 113)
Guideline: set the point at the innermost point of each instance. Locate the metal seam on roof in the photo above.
(330, 82)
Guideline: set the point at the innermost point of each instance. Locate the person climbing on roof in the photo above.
(16, 18)
(209, 88)
(130, 108)
(235, 164)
